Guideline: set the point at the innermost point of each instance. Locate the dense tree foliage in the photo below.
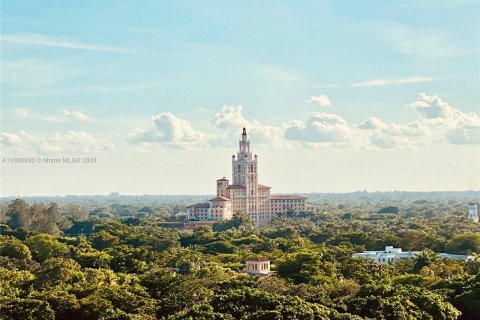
(134, 269)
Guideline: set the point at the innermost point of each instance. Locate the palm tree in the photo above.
(473, 264)
(424, 259)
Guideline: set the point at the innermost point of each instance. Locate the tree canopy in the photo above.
(134, 269)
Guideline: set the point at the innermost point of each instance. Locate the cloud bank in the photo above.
(438, 123)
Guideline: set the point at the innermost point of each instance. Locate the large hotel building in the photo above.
(245, 194)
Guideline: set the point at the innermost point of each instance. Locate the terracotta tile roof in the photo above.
(287, 197)
(176, 225)
(220, 199)
(187, 225)
(200, 205)
(236, 186)
(262, 186)
(195, 224)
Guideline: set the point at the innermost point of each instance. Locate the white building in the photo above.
(391, 255)
(257, 266)
(245, 194)
(473, 212)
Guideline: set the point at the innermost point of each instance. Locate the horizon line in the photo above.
(210, 194)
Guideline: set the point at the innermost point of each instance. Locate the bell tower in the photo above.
(245, 172)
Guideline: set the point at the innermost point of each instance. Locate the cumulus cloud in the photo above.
(432, 107)
(372, 123)
(171, 131)
(464, 136)
(230, 120)
(321, 100)
(319, 127)
(455, 126)
(439, 122)
(70, 142)
(76, 115)
(323, 130)
(393, 135)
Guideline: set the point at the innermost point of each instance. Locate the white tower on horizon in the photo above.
(473, 212)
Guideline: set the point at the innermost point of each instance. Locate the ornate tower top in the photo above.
(244, 146)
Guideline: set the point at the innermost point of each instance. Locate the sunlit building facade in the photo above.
(244, 194)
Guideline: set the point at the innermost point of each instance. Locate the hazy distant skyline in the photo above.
(337, 96)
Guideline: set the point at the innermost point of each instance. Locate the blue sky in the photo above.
(337, 95)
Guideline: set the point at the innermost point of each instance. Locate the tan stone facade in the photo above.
(282, 204)
(245, 194)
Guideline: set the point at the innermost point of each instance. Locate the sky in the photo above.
(336, 96)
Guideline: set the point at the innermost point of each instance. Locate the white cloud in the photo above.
(11, 139)
(170, 131)
(43, 40)
(393, 135)
(66, 116)
(438, 123)
(371, 124)
(321, 100)
(464, 136)
(21, 112)
(70, 142)
(76, 115)
(318, 128)
(455, 126)
(230, 117)
(431, 107)
(231, 121)
(51, 119)
(386, 82)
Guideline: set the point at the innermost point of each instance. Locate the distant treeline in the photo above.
(181, 200)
